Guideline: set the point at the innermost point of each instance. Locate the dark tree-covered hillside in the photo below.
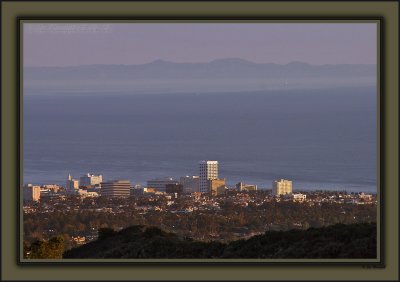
(336, 241)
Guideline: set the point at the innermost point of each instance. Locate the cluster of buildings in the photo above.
(35, 192)
(87, 186)
(88, 180)
(284, 188)
(206, 182)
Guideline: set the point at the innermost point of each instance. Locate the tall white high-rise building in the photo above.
(208, 171)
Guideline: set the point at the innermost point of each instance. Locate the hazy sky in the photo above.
(138, 43)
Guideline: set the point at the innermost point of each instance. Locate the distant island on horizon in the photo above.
(236, 60)
(218, 68)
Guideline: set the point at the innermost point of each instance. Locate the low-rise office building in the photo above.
(246, 187)
(217, 186)
(160, 184)
(298, 197)
(116, 188)
(174, 188)
(190, 184)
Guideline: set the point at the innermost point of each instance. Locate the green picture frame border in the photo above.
(378, 262)
(386, 11)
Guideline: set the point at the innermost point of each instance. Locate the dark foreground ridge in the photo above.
(336, 241)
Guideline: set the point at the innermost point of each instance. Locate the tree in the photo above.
(56, 247)
(52, 249)
(27, 250)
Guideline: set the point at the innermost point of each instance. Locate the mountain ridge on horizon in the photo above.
(228, 68)
(217, 60)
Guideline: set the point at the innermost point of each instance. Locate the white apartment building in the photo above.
(281, 187)
(160, 184)
(190, 183)
(208, 171)
(90, 179)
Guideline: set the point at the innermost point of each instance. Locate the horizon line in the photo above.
(237, 59)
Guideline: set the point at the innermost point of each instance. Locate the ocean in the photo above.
(323, 139)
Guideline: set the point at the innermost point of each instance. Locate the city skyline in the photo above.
(208, 170)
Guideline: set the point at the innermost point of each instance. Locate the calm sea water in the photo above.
(320, 139)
